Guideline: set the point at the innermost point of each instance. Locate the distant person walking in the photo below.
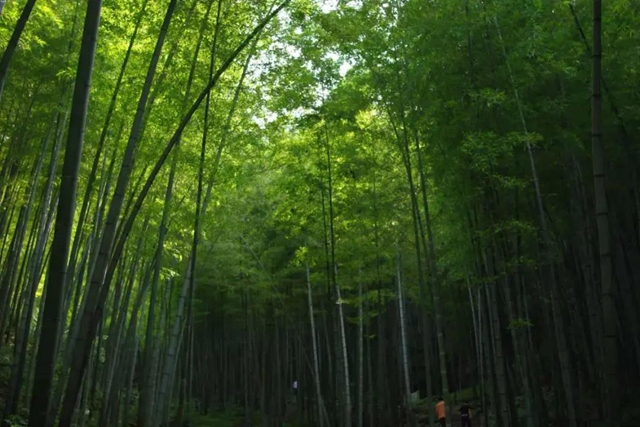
(465, 415)
(295, 388)
(440, 412)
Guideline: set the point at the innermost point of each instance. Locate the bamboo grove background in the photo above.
(203, 201)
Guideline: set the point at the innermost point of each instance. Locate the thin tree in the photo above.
(45, 361)
(316, 368)
(85, 335)
(334, 278)
(403, 342)
(607, 291)
(558, 320)
(13, 41)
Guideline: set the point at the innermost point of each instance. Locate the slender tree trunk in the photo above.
(15, 247)
(607, 290)
(476, 313)
(131, 373)
(341, 326)
(158, 359)
(97, 295)
(419, 237)
(360, 358)
(13, 42)
(147, 385)
(496, 332)
(103, 137)
(370, 386)
(168, 62)
(22, 338)
(430, 254)
(172, 349)
(114, 355)
(548, 249)
(36, 334)
(481, 344)
(404, 347)
(78, 304)
(52, 319)
(316, 369)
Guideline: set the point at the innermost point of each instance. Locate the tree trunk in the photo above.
(561, 339)
(316, 369)
(607, 290)
(37, 258)
(360, 358)
(52, 318)
(94, 299)
(103, 137)
(496, 332)
(341, 327)
(13, 42)
(404, 348)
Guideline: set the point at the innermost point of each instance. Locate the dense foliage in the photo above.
(303, 213)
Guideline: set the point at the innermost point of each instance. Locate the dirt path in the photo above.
(453, 416)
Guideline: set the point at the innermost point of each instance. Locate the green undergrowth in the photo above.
(227, 419)
(217, 420)
(458, 397)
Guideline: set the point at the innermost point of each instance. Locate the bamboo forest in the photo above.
(319, 213)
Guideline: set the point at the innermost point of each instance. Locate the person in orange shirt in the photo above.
(440, 412)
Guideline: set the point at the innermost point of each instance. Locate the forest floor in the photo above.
(236, 419)
(217, 420)
(453, 416)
